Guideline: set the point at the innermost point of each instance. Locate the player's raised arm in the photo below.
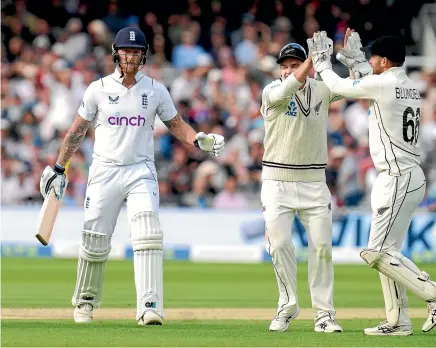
(292, 70)
(368, 87)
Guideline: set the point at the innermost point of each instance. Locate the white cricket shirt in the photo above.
(394, 116)
(124, 117)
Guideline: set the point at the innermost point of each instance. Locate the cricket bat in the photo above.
(47, 215)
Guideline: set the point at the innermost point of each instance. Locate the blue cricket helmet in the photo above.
(129, 37)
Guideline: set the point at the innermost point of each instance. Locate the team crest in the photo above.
(144, 98)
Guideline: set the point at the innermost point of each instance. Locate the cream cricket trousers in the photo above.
(394, 199)
(312, 201)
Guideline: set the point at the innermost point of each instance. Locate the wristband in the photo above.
(59, 169)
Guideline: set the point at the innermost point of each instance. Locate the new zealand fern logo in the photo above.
(317, 108)
(292, 109)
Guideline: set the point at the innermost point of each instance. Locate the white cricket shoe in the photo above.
(430, 323)
(325, 322)
(281, 324)
(386, 329)
(83, 313)
(150, 318)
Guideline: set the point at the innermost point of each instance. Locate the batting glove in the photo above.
(353, 57)
(321, 48)
(213, 143)
(53, 178)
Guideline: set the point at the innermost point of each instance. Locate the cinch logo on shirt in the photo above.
(118, 120)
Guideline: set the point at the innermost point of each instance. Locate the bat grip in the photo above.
(66, 167)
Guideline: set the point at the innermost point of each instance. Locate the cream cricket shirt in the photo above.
(295, 130)
(394, 116)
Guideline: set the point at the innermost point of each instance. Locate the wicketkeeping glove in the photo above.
(353, 57)
(53, 178)
(321, 48)
(213, 143)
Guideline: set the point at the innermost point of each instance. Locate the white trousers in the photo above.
(110, 186)
(312, 201)
(394, 200)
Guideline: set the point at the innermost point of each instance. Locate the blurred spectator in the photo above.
(246, 50)
(229, 198)
(186, 54)
(113, 19)
(356, 118)
(185, 87)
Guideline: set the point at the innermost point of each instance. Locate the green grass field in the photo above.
(30, 285)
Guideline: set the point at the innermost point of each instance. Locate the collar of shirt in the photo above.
(116, 76)
(399, 70)
(303, 88)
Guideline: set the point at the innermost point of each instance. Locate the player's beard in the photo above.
(131, 67)
(377, 69)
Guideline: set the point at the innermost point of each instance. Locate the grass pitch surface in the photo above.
(41, 289)
(223, 333)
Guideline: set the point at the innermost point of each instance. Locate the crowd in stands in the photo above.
(215, 57)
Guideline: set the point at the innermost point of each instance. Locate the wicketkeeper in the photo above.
(394, 117)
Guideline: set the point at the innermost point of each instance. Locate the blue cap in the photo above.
(130, 37)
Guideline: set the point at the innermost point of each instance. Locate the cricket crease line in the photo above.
(199, 313)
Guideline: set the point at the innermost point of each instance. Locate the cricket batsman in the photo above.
(295, 111)
(394, 117)
(122, 108)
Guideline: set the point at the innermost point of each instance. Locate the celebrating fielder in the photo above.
(122, 107)
(400, 186)
(295, 110)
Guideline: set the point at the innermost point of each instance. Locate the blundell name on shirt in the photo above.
(406, 93)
